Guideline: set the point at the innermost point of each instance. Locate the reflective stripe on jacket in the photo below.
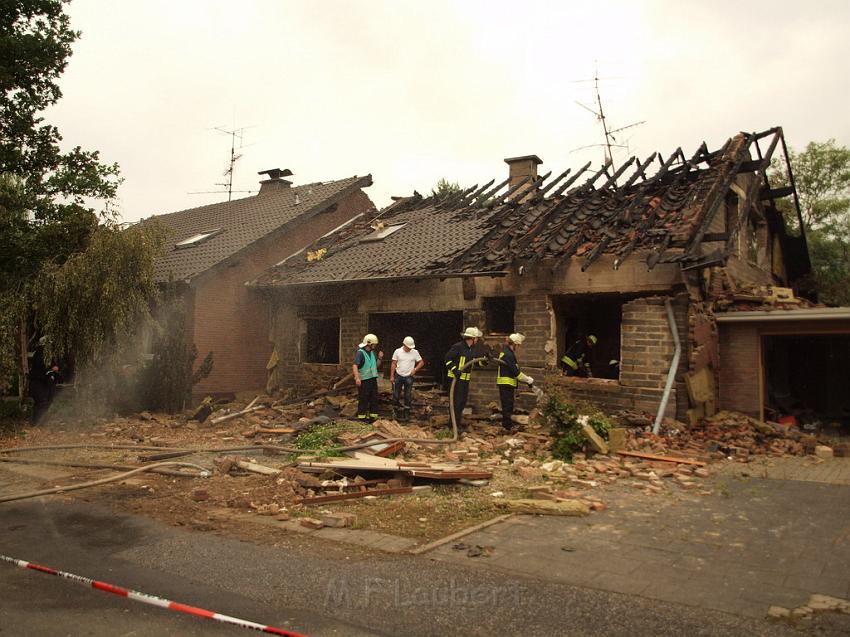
(509, 373)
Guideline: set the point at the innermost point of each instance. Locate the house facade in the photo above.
(214, 250)
(637, 255)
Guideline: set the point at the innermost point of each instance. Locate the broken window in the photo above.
(322, 343)
(600, 315)
(499, 314)
(195, 239)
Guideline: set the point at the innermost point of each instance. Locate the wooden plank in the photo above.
(254, 467)
(652, 456)
(275, 430)
(452, 475)
(456, 536)
(339, 497)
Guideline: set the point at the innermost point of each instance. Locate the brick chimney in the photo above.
(521, 167)
(276, 181)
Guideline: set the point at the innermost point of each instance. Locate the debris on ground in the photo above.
(293, 459)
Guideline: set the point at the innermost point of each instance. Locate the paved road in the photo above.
(755, 543)
(321, 588)
(327, 592)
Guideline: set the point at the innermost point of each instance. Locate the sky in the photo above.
(412, 92)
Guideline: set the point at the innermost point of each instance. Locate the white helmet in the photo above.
(472, 332)
(370, 339)
(516, 338)
(409, 342)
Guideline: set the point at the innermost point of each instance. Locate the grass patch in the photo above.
(321, 438)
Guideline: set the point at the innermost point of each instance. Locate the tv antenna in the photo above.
(235, 133)
(610, 140)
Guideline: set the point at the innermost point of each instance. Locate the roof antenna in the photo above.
(234, 157)
(600, 116)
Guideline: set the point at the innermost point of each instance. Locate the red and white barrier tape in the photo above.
(150, 599)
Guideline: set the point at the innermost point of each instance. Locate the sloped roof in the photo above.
(241, 222)
(662, 214)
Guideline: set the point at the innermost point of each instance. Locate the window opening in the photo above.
(499, 314)
(322, 344)
(600, 315)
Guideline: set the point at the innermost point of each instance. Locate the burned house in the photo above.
(636, 255)
(213, 250)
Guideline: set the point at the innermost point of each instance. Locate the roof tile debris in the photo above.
(661, 212)
(240, 223)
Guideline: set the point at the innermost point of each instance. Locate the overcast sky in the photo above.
(412, 91)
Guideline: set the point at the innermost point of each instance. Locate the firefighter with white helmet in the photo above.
(367, 361)
(508, 374)
(458, 356)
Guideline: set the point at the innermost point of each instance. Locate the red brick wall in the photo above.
(232, 320)
(646, 352)
(739, 368)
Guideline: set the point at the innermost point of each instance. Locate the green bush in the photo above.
(566, 419)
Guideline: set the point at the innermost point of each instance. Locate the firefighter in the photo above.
(575, 361)
(365, 370)
(507, 376)
(458, 356)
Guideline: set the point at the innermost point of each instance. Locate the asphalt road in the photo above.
(323, 590)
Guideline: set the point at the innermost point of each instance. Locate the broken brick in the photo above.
(311, 523)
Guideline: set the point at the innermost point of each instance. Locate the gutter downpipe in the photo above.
(671, 375)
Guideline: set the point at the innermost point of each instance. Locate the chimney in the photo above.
(521, 167)
(276, 181)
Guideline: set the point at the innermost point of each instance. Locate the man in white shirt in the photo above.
(406, 362)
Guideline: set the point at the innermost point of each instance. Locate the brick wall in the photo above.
(739, 368)
(533, 317)
(646, 351)
(232, 320)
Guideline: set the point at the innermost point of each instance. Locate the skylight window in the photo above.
(383, 232)
(197, 238)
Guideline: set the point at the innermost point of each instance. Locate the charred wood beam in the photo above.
(750, 194)
(776, 193)
(718, 199)
(503, 198)
(595, 253)
(640, 171)
(452, 200)
(612, 180)
(766, 133)
(718, 257)
(492, 192)
(650, 218)
(655, 255)
(751, 166)
(552, 183)
(474, 196)
(571, 180)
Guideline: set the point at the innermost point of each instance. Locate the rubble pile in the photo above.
(724, 435)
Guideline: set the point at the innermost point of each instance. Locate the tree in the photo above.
(60, 256)
(445, 188)
(822, 177)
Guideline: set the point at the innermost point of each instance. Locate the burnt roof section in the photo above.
(241, 222)
(659, 207)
